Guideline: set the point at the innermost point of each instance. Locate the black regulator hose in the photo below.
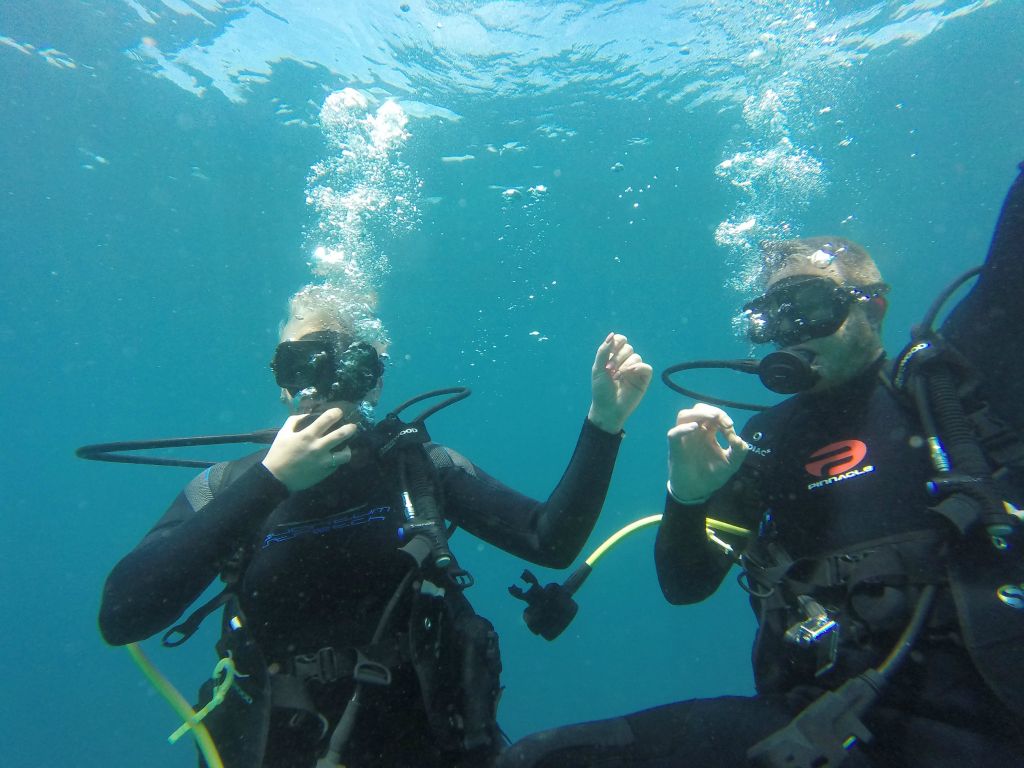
(117, 452)
(784, 371)
(742, 366)
(925, 371)
(928, 322)
(964, 453)
(969, 471)
(422, 511)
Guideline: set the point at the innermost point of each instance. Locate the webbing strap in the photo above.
(188, 627)
(371, 664)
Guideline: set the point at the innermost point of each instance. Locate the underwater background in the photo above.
(554, 171)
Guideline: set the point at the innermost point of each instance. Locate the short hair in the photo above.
(837, 256)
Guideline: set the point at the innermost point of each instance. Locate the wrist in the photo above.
(269, 466)
(683, 501)
(277, 473)
(605, 422)
(272, 479)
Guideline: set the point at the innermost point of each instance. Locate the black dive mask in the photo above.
(801, 308)
(320, 366)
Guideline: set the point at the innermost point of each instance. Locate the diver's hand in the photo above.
(618, 382)
(698, 464)
(301, 458)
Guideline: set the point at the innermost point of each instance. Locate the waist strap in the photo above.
(875, 560)
(370, 664)
(366, 664)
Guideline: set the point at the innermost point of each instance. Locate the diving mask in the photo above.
(801, 308)
(322, 366)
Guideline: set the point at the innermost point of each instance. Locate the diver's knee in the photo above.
(571, 746)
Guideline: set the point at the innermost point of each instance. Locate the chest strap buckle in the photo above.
(324, 666)
(369, 671)
(328, 665)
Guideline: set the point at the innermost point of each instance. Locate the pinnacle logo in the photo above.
(836, 462)
(836, 458)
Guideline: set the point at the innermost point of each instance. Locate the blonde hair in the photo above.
(843, 260)
(340, 308)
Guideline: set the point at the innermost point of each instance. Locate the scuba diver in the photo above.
(883, 555)
(344, 614)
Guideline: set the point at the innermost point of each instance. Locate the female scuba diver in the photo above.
(344, 611)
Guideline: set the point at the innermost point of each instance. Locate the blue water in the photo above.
(154, 222)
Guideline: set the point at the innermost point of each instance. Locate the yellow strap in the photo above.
(178, 704)
(225, 666)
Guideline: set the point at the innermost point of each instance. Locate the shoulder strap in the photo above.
(179, 633)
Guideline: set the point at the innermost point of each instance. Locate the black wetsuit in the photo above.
(829, 476)
(321, 565)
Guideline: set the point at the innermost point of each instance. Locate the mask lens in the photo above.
(301, 364)
(796, 311)
(319, 365)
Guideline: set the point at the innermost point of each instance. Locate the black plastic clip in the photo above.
(368, 671)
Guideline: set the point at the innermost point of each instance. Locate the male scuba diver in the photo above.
(344, 614)
(884, 563)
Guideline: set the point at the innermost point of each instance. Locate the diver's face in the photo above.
(844, 354)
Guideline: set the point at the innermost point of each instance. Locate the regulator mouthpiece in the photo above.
(787, 371)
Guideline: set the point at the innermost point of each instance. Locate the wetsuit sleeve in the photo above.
(690, 567)
(549, 533)
(184, 552)
(985, 326)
